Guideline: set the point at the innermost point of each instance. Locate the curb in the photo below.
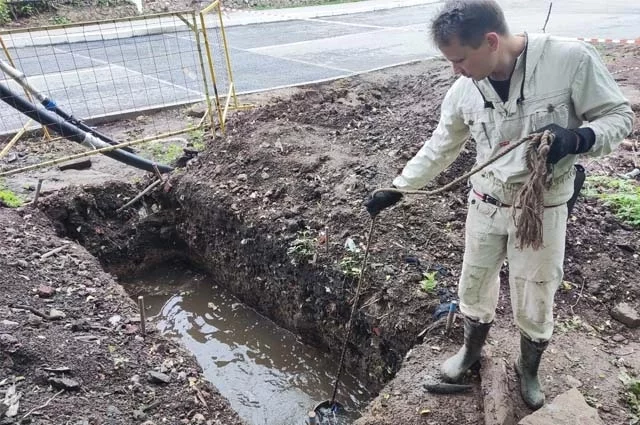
(594, 40)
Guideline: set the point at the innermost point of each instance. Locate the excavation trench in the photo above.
(272, 212)
(255, 320)
(266, 372)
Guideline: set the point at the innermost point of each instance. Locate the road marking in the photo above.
(333, 68)
(610, 40)
(348, 24)
(299, 43)
(180, 37)
(133, 71)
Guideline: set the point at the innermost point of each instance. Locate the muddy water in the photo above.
(268, 375)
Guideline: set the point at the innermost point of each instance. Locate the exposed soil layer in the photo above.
(267, 209)
(89, 365)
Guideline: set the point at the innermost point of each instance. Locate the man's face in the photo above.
(473, 63)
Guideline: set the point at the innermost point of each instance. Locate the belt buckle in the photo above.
(491, 200)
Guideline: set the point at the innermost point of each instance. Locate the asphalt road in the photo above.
(109, 77)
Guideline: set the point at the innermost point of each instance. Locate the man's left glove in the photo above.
(382, 200)
(568, 141)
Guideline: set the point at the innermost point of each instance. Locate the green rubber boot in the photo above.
(475, 334)
(527, 368)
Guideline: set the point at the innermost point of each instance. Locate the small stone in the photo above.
(567, 408)
(7, 340)
(130, 329)
(5, 311)
(113, 411)
(56, 314)
(625, 313)
(139, 415)
(148, 423)
(415, 277)
(81, 325)
(198, 110)
(8, 324)
(198, 418)
(618, 338)
(264, 175)
(114, 320)
(158, 377)
(242, 177)
(572, 382)
(64, 384)
(35, 321)
(45, 291)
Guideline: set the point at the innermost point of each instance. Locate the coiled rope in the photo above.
(530, 197)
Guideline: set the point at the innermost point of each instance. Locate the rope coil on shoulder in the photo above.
(529, 198)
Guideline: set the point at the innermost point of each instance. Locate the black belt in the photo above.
(490, 199)
(493, 201)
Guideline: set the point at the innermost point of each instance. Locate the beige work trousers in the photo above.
(534, 276)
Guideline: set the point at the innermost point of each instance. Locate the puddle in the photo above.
(268, 375)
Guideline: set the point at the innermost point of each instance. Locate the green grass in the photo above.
(196, 137)
(60, 20)
(5, 14)
(631, 394)
(621, 195)
(351, 262)
(303, 247)
(9, 198)
(164, 153)
(569, 325)
(428, 282)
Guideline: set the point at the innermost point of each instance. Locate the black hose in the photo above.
(52, 106)
(67, 130)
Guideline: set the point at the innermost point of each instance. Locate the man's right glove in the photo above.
(382, 200)
(568, 141)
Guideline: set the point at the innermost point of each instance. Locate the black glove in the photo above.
(382, 200)
(568, 141)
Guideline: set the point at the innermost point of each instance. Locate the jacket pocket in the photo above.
(552, 108)
(481, 127)
(551, 114)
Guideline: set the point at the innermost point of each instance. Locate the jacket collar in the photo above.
(523, 71)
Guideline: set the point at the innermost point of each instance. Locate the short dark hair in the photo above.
(468, 21)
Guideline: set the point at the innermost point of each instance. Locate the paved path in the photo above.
(116, 68)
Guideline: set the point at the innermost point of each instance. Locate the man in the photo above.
(512, 86)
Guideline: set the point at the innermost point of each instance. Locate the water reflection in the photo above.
(269, 377)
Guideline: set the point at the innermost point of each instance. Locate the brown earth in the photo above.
(299, 168)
